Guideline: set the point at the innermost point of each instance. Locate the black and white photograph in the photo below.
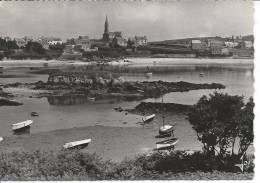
(127, 90)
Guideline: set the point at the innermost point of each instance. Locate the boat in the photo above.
(22, 125)
(33, 114)
(165, 135)
(91, 99)
(77, 144)
(1, 139)
(148, 119)
(201, 74)
(148, 74)
(165, 130)
(166, 144)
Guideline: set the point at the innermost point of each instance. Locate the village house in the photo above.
(82, 43)
(55, 41)
(198, 45)
(119, 41)
(248, 44)
(140, 40)
(212, 43)
(44, 42)
(20, 42)
(231, 44)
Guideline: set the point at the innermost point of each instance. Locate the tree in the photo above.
(215, 121)
(34, 47)
(11, 45)
(130, 43)
(245, 125)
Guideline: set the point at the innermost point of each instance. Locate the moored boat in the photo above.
(91, 99)
(148, 74)
(166, 129)
(149, 118)
(77, 144)
(165, 135)
(166, 144)
(22, 125)
(34, 114)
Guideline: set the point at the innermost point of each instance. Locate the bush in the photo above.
(75, 165)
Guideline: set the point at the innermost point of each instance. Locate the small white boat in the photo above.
(147, 119)
(148, 74)
(166, 144)
(22, 125)
(91, 99)
(1, 139)
(77, 144)
(165, 129)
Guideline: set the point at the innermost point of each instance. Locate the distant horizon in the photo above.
(158, 21)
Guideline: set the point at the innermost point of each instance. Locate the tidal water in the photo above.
(65, 113)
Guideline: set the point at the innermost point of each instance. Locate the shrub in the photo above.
(75, 165)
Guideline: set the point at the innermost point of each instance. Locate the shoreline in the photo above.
(133, 61)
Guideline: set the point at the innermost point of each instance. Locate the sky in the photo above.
(161, 20)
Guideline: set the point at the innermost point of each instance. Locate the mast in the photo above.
(163, 112)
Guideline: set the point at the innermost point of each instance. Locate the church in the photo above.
(115, 38)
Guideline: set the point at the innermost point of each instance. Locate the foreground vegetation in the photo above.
(75, 165)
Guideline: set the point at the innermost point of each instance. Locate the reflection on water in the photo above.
(68, 100)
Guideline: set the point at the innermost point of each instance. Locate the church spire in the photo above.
(106, 26)
(106, 31)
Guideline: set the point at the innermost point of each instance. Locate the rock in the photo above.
(33, 114)
(157, 107)
(7, 102)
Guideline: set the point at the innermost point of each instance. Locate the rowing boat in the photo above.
(166, 144)
(77, 144)
(147, 119)
(22, 125)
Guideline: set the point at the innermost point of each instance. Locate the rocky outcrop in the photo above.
(7, 102)
(151, 107)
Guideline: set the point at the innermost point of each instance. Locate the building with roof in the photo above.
(198, 45)
(119, 42)
(140, 40)
(83, 43)
(109, 36)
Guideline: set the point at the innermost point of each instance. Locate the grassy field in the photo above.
(74, 165)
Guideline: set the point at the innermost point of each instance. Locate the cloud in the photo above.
(157, 20)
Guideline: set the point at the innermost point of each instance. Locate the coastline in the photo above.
(133, 61)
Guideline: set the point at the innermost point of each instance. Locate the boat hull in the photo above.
(77, 144)
(165, 135)
(148, 119)
(22, 125)
(167, 144)
(166, 129)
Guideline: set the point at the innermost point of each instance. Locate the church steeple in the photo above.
(106, 26)
(106, 31)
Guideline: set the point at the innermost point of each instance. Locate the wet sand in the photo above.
(115, 143)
